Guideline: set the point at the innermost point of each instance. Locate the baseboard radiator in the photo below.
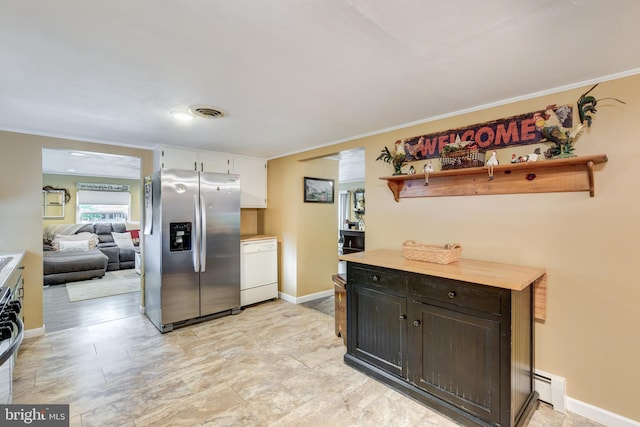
(552, 389)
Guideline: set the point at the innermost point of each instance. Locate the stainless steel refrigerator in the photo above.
(191, 246)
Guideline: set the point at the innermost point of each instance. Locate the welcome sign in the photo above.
(523, 129)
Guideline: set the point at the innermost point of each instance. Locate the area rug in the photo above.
(113, 283)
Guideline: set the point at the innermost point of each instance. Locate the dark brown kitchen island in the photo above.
(456, 337)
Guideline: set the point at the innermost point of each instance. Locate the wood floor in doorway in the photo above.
(60, 314)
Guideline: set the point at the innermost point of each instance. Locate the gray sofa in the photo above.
(119, 258)
(62, 267)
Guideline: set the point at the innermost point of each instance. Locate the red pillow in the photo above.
(135, 236)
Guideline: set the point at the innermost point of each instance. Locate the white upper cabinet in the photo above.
(253, 181)
(174, 158)
(204, 161)
(210, 161)
(252, 170)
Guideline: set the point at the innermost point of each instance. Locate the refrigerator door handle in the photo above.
(203, 235)
(196, 235)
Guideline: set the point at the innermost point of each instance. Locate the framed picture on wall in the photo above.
(318, 190)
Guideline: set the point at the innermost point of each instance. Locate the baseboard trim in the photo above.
(599, 415)
(306, 298)
(35, 332)
(552, 389)
(287, 297)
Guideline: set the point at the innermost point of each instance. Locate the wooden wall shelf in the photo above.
(545, 176)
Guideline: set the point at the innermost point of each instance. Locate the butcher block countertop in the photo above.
(507, 276)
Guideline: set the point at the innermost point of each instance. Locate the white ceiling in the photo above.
(350, 166)
(84, 163)
(292, 74)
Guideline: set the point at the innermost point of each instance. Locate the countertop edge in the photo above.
(8, 269)
(501, 275)
(255, 237)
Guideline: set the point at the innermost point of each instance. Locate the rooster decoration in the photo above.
(550, 125)
(397, 158)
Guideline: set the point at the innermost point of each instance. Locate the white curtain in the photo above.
(102, 206)
(343, 209)
(90, 197)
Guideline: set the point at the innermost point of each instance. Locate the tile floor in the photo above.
(274, 364)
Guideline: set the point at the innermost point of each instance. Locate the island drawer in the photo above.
(462, 294)
(389, 281)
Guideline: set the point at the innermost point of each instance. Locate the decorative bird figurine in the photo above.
(562, 137)
(493, 161)
(428, 168)
(587, 105)
(533, 156)
(397, 158)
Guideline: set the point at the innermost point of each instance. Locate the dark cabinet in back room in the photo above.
(353, 241)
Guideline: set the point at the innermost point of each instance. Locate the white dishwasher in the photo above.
(258, 270)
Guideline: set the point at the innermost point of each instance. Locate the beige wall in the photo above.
(70, 184)
(21, 215)
(20, 203)
(302, 228)
(251, 221)
(589, 246)
(317, 226)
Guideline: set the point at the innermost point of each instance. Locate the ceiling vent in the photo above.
(207, 112)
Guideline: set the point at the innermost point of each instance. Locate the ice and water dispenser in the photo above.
(179, 236)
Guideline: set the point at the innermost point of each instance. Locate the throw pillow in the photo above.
(91, 237)
(123, 240)
(73, 245)
(135, 236)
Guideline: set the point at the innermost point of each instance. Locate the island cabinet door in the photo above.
(376, 328)
(456, 357)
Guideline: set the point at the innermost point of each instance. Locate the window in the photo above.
(102, 206)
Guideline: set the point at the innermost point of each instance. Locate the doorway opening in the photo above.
(101, 191)
(351, 203)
